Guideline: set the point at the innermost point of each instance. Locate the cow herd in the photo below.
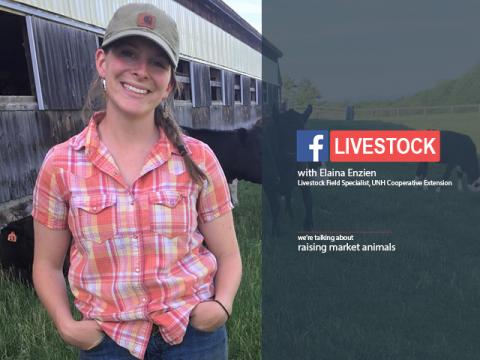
(263, 154)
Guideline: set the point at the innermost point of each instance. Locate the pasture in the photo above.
(26, 332)
(419, 302)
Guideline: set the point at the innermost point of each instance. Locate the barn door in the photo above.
(65, 61)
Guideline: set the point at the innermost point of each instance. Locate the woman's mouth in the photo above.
(134, 89)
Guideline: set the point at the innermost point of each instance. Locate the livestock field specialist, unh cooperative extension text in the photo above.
(356, 178)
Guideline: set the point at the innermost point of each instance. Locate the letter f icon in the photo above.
(316, 147)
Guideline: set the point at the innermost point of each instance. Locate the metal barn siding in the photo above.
(199, 39)
(201, 85)
(66, 63)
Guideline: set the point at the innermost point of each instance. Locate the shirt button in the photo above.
(137, 269)
(144, 299)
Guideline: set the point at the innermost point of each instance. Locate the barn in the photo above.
(48, 66)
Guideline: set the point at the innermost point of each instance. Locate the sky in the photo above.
(250, 10)
(373, 49)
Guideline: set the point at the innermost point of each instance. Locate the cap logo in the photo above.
(146, 20)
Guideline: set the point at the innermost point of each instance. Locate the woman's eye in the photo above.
(127, 53)
(160, 63)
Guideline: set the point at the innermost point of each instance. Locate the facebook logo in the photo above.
(312, 145)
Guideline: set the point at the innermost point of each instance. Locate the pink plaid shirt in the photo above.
(137, 258)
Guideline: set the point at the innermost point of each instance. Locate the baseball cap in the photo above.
(144, 20)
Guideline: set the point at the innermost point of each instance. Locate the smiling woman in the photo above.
(139, 75)
(155, 264)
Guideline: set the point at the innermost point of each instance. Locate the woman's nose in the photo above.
(141, 68)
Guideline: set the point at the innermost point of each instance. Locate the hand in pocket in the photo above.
(83, 334)
(208, 316)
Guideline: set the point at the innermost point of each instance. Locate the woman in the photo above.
(154, 259)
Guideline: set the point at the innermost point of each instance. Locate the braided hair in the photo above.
(165, 120)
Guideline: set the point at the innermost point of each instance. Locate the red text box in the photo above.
(385, 145)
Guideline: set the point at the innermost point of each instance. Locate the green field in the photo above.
(27, 333)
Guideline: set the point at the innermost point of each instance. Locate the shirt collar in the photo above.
(89, 140)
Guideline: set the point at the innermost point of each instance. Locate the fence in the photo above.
(339, 113)
(375, 113)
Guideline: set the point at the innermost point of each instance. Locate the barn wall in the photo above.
(199, 37)
(260, 91)
(239, 28)
(218, 117)
(201, 117)
(201, 85)
(183, 114)
(228, 83)
(66, 63)
(26, 137)
(228, 118)
(246, 90)
(242, 114)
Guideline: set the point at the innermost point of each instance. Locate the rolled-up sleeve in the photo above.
(49, 206)
(214, 198)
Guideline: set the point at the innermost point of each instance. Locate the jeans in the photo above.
(196, 345)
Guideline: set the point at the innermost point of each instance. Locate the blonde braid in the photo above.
(165, 119)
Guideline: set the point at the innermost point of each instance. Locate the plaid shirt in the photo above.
(137, 258)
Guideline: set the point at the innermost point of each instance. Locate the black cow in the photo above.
(16, 249)
(238, 151)
(459, 152)
(280, 158)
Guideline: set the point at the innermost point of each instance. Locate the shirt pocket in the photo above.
(168, 213)
(96, 217)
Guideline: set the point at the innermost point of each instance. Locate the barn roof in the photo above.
(231, 42)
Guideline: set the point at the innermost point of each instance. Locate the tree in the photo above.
(299, 95)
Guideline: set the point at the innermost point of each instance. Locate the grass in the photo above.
(245, 325)
(26, 331)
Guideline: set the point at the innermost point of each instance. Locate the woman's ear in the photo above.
(100, 56)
